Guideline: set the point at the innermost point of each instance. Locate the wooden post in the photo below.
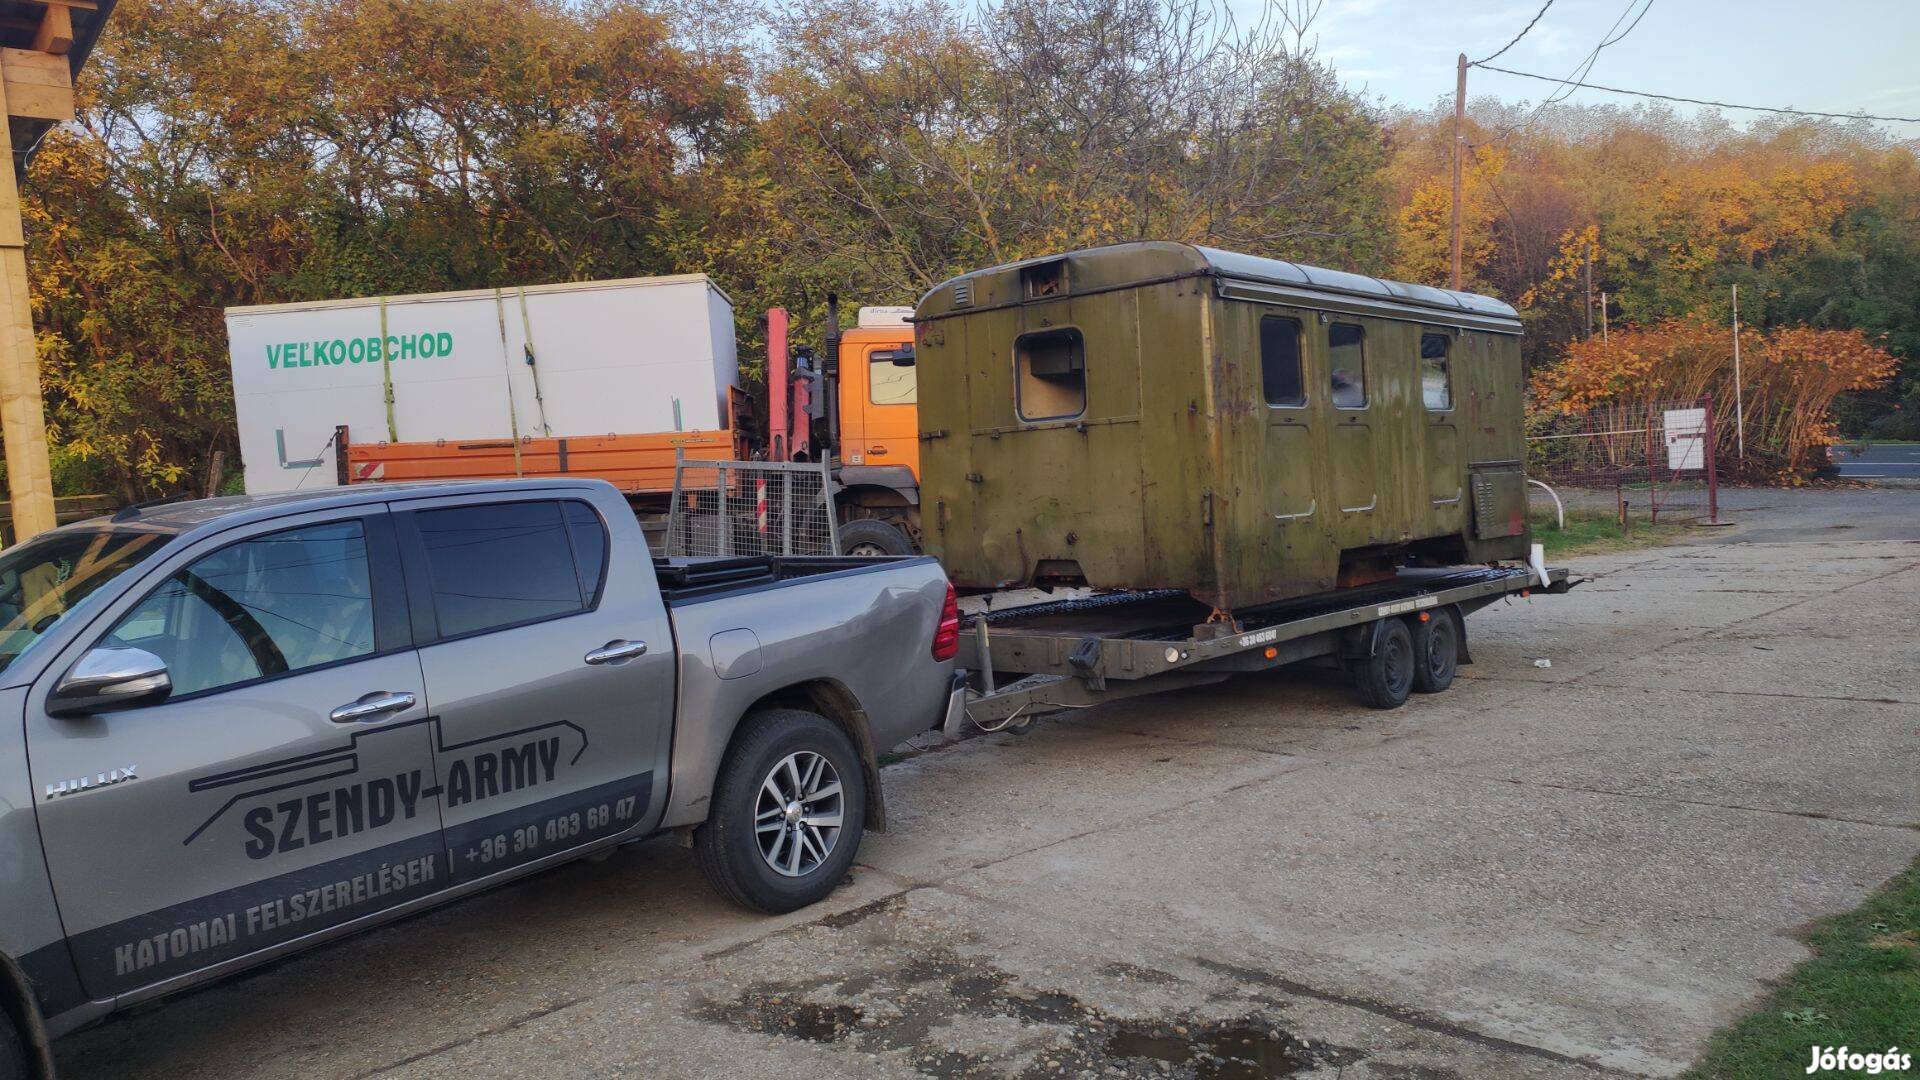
(216, 472)
(1459, 153)
(23, 422)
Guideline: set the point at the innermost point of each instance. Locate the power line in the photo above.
(1518, 36)
(1701, 101)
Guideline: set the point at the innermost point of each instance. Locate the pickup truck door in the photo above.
(250, 807)
(550, 663)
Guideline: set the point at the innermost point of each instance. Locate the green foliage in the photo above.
(239, 152)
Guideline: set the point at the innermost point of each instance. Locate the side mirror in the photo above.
(109, 678)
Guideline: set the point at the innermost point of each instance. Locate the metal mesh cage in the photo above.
(751, 508)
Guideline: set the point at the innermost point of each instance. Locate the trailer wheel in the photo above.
(1386, 678)
(789, 808)
(13, 1051)
(1436, 647)
(871, 536)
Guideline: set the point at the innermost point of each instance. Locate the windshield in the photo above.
(46, 577)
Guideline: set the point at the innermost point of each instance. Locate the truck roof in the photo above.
(187, 515)
(1123, 265)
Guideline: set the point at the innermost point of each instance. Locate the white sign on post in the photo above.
(1686, 439)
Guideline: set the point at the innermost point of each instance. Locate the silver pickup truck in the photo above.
(243, 726)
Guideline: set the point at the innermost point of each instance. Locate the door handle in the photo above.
(877, 451)
(371, 706)
(615, 651)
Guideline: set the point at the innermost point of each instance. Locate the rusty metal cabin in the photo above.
(1155, 415)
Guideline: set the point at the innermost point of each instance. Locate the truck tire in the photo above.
(1386, 678)
(788, 811)
(13, 1051)
(1436, 649)
(871, 536)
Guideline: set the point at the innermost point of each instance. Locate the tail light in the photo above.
(946, 636)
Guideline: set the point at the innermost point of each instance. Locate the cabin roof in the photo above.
(1124, 265)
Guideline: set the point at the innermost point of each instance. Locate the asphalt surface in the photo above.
(1577, 869)
(1880, 461)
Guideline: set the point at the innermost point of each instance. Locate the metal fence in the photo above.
(1653, 459)
(751, 508)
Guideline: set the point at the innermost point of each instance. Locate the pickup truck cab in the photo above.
(239, 727)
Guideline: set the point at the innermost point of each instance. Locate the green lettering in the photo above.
(273, 356)
(408, 347)
(445, 341)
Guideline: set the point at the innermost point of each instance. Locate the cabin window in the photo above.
(1436, 378)
(1281, 379)
(1347, 354)
(1052, 368)
(890, 377)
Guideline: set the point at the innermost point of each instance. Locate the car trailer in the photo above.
(1393, 638)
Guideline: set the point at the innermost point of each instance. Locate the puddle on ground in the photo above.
(1237, 1050)
(1060, 1035)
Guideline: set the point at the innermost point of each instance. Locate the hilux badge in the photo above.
(88, 783)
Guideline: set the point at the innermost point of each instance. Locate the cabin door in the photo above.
(1350, 434)
(1445, 480)
(1288, 455)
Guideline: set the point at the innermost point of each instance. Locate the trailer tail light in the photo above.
(946, 636)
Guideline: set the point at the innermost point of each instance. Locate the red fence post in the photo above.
(1711, 449)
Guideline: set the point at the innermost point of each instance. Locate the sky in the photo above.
(1826, 55)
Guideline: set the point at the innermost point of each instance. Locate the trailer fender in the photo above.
(1460, 634)
(1361, 642)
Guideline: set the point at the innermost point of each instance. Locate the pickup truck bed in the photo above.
(686, 580)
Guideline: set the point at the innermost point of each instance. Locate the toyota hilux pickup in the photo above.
(238, 727)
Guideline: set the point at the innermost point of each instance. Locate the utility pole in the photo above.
(1589, 287)
(1459, 154)
(1739, 402)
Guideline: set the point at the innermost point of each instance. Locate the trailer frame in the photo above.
(1072, 654)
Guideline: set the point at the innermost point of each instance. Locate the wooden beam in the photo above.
(39, 85)
(56, 31)
(78, 5)
(23, 422)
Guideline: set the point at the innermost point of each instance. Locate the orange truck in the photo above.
(851, 401)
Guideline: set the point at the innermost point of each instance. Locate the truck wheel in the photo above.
(871, 536)
(789, 808)
(13, 1051)
(1386, 678)
(1436, 648)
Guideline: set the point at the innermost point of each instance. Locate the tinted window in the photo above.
(589, 538)
(274, 604)
(498, 564)
(42, 579)
(1347, 360)
(1052, 366)
(1436, 381)
(1280, 375)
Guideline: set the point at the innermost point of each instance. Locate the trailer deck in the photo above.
(1074, 653)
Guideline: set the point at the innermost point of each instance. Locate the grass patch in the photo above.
(1596, 531)
(1861, 991)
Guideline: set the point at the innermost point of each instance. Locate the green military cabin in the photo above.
(1157, 415)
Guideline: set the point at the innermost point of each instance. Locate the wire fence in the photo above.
(1653, 459)
(751, 508)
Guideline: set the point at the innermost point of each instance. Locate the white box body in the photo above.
(612, 357)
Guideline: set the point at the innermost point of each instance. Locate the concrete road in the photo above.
(1881, 461)
(1581, 869)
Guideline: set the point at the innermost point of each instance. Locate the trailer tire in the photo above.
(871, 536)
(14, 1064)
(800, 754)
(1385, 679)
(1436, 648)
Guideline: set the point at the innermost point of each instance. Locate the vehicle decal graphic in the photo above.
(194, 934)
(358, 805)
